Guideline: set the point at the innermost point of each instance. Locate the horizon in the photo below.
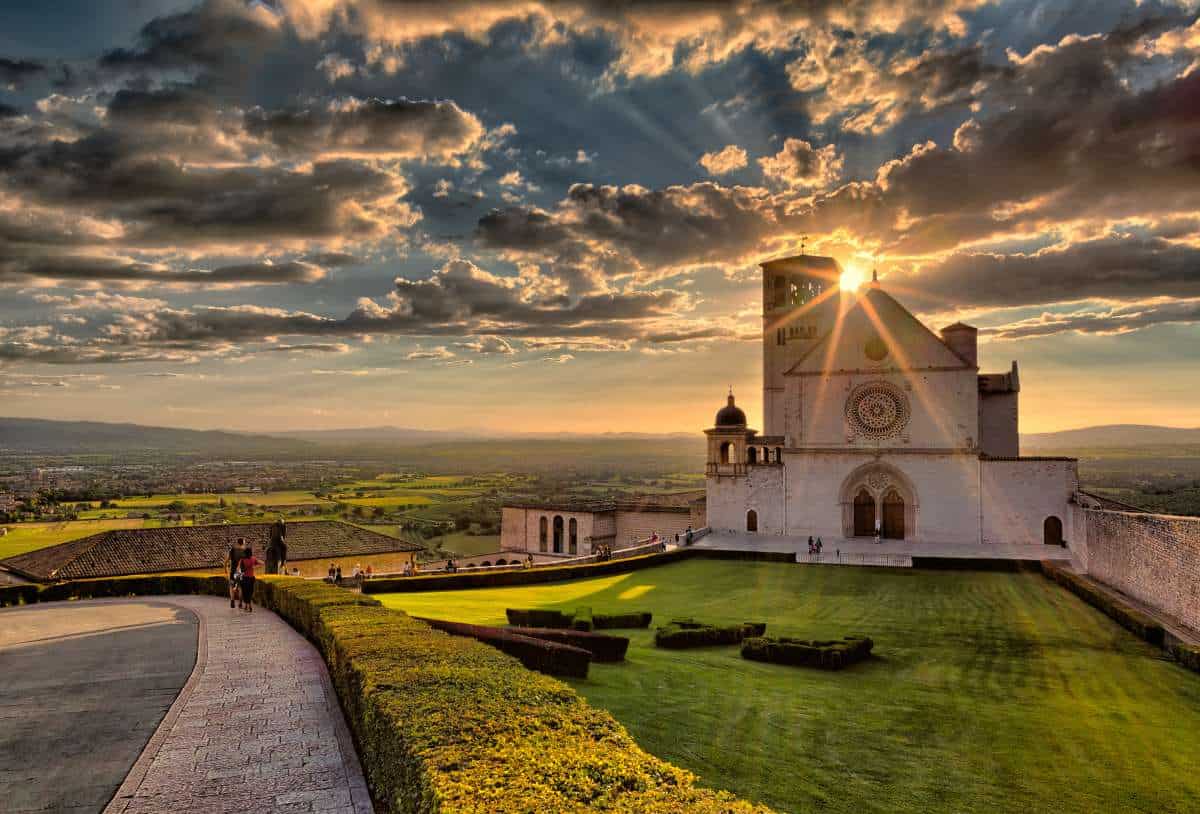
(264, 216)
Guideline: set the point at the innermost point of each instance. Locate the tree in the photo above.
(379, 512)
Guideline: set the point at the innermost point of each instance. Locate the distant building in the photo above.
(312, 546)
(875, 424)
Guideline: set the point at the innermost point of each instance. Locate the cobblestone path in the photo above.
(257, 728)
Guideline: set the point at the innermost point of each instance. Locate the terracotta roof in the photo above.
(183, 548)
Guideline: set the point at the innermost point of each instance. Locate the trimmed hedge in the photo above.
(616, 621)
(536, 617)
(1126, 616)
(683, 633)
(602, 646)
(18, 595)
(582, 620)
(521, 576)
(825, 655)
(1187, 655)
(537, 653)
(447, 725)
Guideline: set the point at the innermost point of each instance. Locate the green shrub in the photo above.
(826, 655)
(683, 633)
(1123, 614)
(582, 620)
(602, 646)
(446, 724)
(614, 621)
(18, 595)
(1187, 655)
(537, 617)
(543, 654)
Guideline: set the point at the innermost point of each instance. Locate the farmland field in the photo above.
(31, 536)
(988, 691)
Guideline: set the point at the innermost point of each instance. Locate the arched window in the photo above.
(573, 537)
(725, 448)
(752, 520)
(501, 561)
(486, 563)
(543, 533)
(558, 534)
(1052, 531)
(752, 455)
(778, 455)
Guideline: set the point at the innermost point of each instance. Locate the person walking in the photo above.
(247, 564)
(233, 559)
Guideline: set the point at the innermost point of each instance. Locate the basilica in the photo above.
(874, 425)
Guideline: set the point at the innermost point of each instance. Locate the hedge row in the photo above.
(682, 633)
(581, 619)
(1187, 655)
(537, 653)
(1123, 614)
(825, 655)
(602, 646)
(524, 576)
(536, 617)
(616, 621)
(446, 724)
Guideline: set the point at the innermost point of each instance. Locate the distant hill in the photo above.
(1112, 435)
(373, 435)
(81, 437)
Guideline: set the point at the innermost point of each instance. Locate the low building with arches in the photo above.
(876, 425)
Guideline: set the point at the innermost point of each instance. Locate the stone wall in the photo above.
(1151, 557)
(1019, 495)
(634, 526)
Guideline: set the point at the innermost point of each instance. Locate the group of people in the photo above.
(242, 565)
(334, 574)
(815, 546)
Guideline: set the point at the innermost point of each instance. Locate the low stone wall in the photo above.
(1152, 557)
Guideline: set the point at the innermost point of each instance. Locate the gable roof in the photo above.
(909, 342)
(122, 552)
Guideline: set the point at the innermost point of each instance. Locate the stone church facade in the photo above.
(874, 423)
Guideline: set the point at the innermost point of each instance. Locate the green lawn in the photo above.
(466, 545)
(990, 692)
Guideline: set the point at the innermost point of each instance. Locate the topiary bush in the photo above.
(582, 620)
(1187, 655)
(543, 654)
(684, 633)
(615, 621)
(825, 655)
(602, 646)
(1123, 614)
(536, 617)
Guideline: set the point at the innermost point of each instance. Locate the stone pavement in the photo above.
(83, 686)
(774, 542)
(257, 728)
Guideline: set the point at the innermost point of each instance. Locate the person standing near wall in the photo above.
(246, 566)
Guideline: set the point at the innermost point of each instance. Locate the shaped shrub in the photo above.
(683, 633)
(582, 620)
(1123, 614)
(825, 655)
(1187, 655)
(546, 656)
(614, 621)
(536, 617)
(602, 646)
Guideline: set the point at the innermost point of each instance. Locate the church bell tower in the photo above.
(800, 301)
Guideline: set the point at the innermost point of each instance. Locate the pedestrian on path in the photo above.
(247, 582)
(232, 559)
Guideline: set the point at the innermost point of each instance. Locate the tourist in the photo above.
(819, 544)
(337, 576)
(276, 548)
(369, 572)
(247, 582)
(529, 561)
(408, 569)
(331, 575)
(232, 558)
(451, 567)
(687, 536)
(357, 571)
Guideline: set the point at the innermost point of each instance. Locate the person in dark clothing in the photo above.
(277, 548)
(247, 564)
(233, 560)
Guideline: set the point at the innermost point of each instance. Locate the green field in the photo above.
(990, 692)
(466, 545)
(24, 537)
(286, 498)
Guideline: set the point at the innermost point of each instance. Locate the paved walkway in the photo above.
(774, 542)
(83, 686)
(257, 728)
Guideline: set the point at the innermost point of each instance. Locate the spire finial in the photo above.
(731, 395)
(874, 278)
(803, 245)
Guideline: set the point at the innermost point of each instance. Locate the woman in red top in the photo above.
(246, 565)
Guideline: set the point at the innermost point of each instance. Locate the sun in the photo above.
(852, 277)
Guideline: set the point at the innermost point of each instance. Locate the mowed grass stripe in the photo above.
(991, 692)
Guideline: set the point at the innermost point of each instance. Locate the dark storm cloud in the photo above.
(400, 127)
(8, 111)
(172, 105)
(81, 268)
(15, 72)
(1113, 267)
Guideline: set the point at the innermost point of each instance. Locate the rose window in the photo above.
(877, 410)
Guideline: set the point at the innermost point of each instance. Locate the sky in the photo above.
(547, 216)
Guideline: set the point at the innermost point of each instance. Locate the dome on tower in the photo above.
(730, 415)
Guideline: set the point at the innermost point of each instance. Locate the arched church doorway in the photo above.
(893, 515)
(1052, 531)
(864, 514)
(752, 520)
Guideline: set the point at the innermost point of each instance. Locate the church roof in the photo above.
(878, 329)
(123, 552)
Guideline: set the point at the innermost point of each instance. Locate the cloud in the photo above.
(399, 128)
(800, 165)
(726, 160)
(487, 346)
(14, 73)
(1102, 321)
(439, 353)
(16, 267)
